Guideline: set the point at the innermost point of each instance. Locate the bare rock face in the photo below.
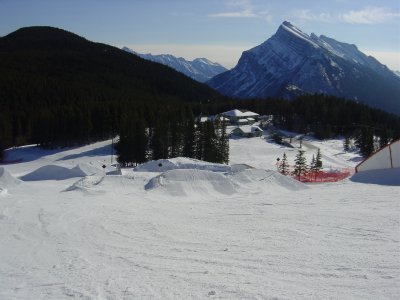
(292, 63)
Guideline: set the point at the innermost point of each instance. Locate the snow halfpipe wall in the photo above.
(385, 158)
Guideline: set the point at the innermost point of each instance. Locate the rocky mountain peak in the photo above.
(311, 64)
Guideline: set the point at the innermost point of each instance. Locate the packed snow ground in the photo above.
(180, 233)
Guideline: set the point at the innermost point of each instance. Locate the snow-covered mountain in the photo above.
(292, 62)
(200, 69)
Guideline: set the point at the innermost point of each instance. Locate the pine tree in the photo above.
(318, 161)
(189, 138)
(210, 142)
(313, 164)
(284, 167)
(140, 145)
(198, 141)
(224, 144)
(125, 146)
(159, 141)
(365, 141)
(383, 139)
(316, 164)
(300, 166)
(346, 144)
(1, 151)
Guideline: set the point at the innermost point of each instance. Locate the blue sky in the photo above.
(218, 30)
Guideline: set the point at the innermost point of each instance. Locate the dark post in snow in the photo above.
(112, 149)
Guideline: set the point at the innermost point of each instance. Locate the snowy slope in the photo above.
(200, 69)
(110, 238)
(292, 63)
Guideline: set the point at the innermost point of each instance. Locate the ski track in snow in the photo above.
(112, 239)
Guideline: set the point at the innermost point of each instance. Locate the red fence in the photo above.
(331, 175)
(324, 176)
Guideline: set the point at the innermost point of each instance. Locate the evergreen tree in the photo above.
(198, 138)
(189, 138)
(159, 141)
(176, 138)
(365, 141)
(125, 146)
(313, 164)
(210, 142)
(316, 164)
(346, 144)
(284, 166)
(1, 151)
(384, 139)
(300, 166)
(318, 161)
(222, 146)
(140, 142)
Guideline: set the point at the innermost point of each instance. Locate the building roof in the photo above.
(243, 121)
(249, 114)
(249, 129)
(237, 113)
(220, 118)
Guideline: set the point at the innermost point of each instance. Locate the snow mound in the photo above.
(240, 167)
(267, 178)
(85, 183)
(390, 177)
(7, 181)
(114, 170)
(56, 172)
(163, 165)
(87, 169)
(186, 182)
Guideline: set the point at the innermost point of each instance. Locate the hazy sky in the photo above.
(218, 30)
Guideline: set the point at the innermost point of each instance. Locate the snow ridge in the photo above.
(200, 69)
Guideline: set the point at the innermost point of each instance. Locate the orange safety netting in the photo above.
(324, 176)
(331, 175)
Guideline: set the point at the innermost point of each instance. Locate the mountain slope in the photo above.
(292, 63)
(200, 69)
(54, 83)
(43, 56)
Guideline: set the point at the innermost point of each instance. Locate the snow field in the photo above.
(7, 181)
(108, 237)
(163, 165)
(57, 172)
(185, 182)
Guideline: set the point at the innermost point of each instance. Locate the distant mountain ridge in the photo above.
(292, 63)
(200, 69)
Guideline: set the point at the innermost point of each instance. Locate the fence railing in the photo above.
(325, 175)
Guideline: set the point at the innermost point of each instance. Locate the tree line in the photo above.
(300, 164)
(171, 134)
(325, 117)
(165, 125)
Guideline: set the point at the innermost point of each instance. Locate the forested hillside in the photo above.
(59, 89)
